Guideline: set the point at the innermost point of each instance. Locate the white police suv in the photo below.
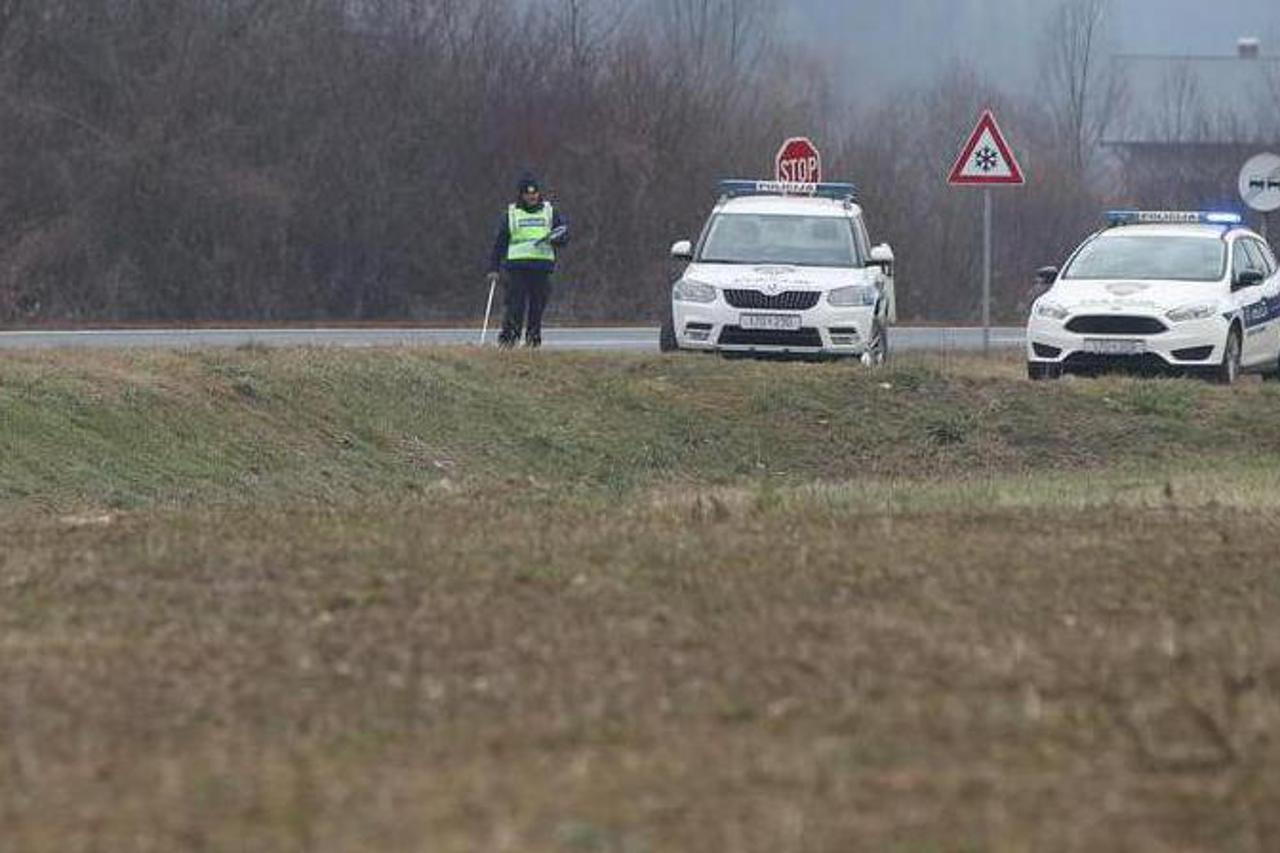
(1160, 291)
(783, 268)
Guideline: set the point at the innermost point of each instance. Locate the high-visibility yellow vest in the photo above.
(526, 230)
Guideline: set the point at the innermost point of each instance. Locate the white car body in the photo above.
(1086, 324)
(765, 306)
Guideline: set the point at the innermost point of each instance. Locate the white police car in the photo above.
(1160, 291)
(783, 268)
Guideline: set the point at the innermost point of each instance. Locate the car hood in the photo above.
(775, 278)
(1131, 295)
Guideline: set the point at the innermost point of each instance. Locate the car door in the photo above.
(1270, 339)
(889, 306)
(1249, 302)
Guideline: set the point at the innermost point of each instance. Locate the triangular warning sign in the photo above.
(986, 158)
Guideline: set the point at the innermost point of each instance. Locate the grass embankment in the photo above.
(148, 430)
(444, 600)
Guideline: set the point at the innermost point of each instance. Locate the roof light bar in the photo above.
(740, 187)
(1172, 217)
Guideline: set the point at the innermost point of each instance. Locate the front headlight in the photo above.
(1202, 311)
(687, 290)
(1051, 310)
(853, 296)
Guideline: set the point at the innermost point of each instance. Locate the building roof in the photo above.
(1196, 99)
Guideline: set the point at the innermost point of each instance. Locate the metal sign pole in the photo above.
(986, 160)
(986, 271)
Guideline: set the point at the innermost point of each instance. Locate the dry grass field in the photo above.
(442, 600)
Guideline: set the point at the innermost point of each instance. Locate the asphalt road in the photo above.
(633, 339)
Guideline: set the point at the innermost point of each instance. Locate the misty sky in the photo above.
(889, 41)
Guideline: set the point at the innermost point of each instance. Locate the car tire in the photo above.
(1228, 371)
(1037, 372)
(667, 334)
(877, 352)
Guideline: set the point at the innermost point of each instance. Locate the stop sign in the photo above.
(798, 162)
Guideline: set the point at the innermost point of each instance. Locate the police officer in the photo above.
(526, 248)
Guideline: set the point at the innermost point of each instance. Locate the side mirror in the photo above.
(881, 256)
(682, 250)
(1047, 275)
(1248, 278)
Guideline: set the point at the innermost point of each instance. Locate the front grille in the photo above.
(788, 300)
(1085, 362)
(740, 337)
(1115, 324)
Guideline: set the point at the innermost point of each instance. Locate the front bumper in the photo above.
(824, 330)
(1190, 345)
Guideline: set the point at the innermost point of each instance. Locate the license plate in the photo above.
(1114, 346)
(785, 322)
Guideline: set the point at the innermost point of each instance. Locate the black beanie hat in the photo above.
(528, 181)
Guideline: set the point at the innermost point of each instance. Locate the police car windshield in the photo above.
(757, 238)
(1150, 257)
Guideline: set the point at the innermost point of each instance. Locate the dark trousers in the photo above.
(527, 293)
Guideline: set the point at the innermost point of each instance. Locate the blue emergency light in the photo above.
(1172, 217)
(734, 188)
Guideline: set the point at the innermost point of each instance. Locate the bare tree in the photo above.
(1271, 93)
(1085, 92)
(1181, 115)
(209, 159)
(723, 34)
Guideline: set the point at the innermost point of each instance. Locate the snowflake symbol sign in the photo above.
(986, 158)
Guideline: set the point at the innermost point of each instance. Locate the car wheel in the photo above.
(1229, 370)
(1037, 371)
(667, 335)
(877, 351)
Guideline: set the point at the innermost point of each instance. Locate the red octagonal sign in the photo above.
(798, 162)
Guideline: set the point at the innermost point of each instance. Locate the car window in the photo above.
(864, 241)
(1265, 260)
(1270, 256)
(1241, 259)
(1149, 257)
(757, 238)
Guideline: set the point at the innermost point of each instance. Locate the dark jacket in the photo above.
(498, 258)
